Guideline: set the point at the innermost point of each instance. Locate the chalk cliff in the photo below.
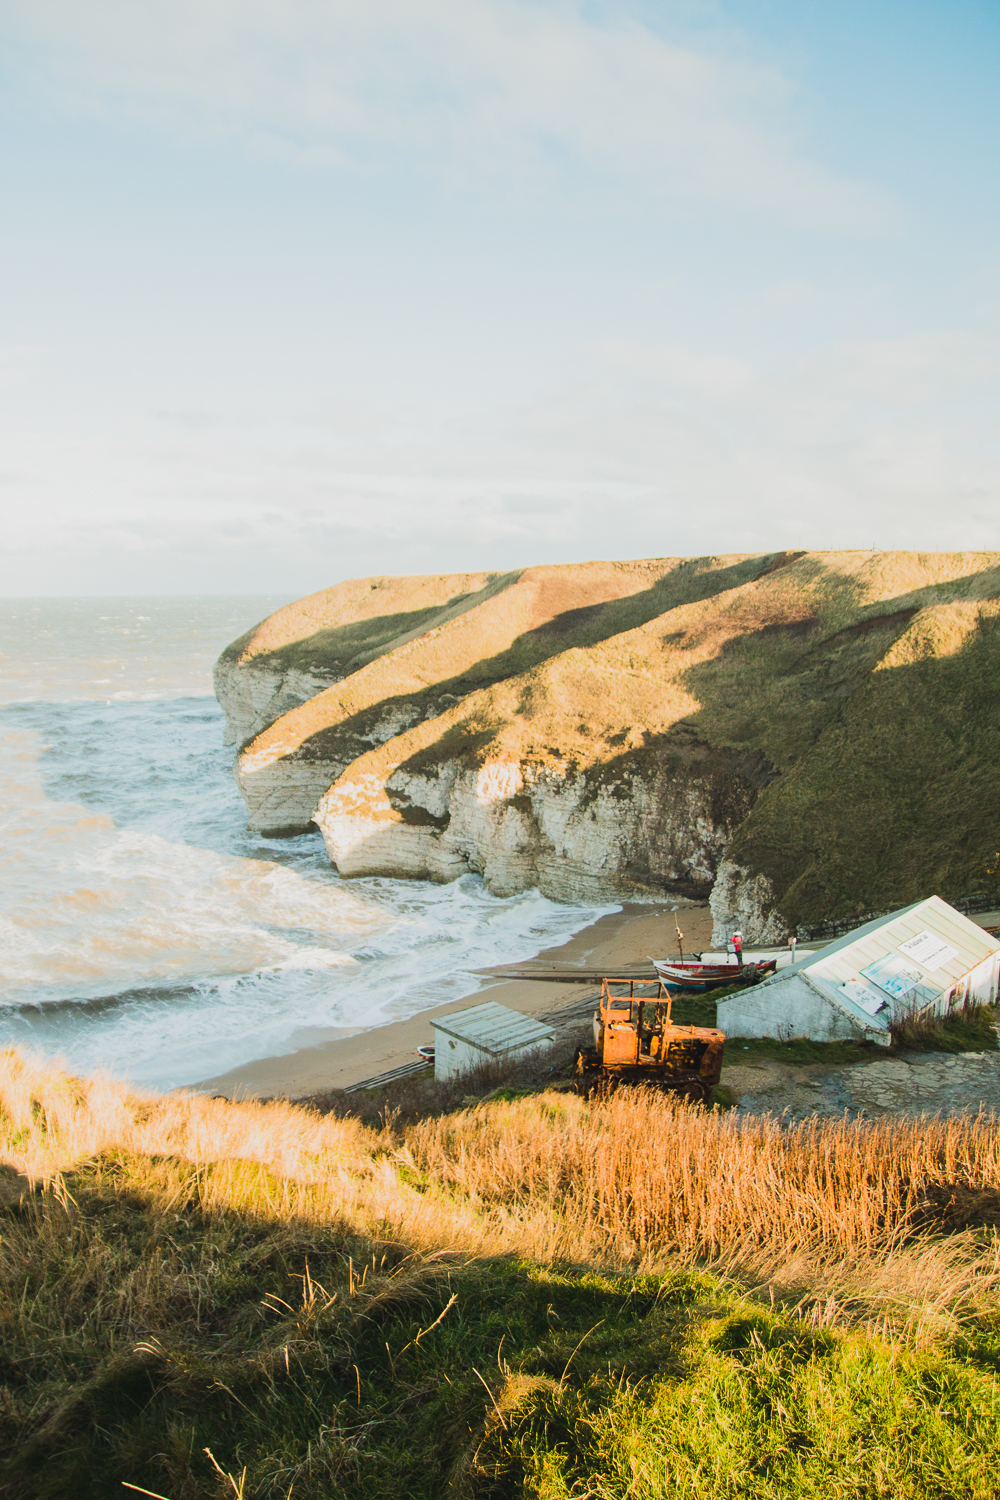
(799, 735)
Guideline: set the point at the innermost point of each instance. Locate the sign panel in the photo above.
(929, 950)
(892, 974)
(866, 995)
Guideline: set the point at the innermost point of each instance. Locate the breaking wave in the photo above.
(143, 930)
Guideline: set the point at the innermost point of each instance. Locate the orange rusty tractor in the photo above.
(636, 1042)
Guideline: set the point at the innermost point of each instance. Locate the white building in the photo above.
(484, 1033)
(926, 957)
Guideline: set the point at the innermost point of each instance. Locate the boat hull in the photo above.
(712, 976)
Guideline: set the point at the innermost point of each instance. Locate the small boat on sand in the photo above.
(692, 975)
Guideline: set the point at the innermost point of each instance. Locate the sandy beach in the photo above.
(625, 937)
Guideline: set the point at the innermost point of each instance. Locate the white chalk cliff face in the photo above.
(657, 729)
(521, 824)
(253, 698)
(744, 902)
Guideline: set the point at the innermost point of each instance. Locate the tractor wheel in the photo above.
(693, 1090)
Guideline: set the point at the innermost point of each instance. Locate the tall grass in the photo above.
(842, 1210)
(642, 1171)
(970, 1027)
(330, 1306)
(852, 1209)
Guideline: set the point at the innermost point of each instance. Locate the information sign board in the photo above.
(929, 950)
(894, 975)
(866, 995)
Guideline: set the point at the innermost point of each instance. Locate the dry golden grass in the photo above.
(201, 1297)
(644, 1172)
(830, 1208)
(355, 601)
(846, 1215)
(432, 650)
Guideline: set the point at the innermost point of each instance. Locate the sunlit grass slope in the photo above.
(350, 624)
(427, 659)
(544, 1298)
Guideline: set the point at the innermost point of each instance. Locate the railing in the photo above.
(381, 1079)
(968, 905)
(662, 993)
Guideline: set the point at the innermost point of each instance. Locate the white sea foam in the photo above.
(143, 930)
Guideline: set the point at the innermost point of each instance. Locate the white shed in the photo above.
(484, 1033)
(926, 957)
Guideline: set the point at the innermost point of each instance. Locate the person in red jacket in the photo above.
(738, 947)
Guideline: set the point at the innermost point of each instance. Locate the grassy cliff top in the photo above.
(354, 620)
(484, 635)
(861, 682)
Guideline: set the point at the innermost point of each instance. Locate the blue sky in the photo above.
(292, 290)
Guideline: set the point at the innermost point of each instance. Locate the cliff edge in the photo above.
(797, 735)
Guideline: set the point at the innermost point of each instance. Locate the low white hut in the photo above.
(926, 957)
(484, 1033)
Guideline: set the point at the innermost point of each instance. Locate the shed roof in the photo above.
(494, 1028)
(906, 958)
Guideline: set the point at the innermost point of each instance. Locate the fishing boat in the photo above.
(692, 975)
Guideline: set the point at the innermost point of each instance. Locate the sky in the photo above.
(298, 290)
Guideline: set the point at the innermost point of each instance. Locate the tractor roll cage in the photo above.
(638, 993)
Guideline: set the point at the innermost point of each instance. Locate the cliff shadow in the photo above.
(335, 651)
(886, 791)
(897, 797)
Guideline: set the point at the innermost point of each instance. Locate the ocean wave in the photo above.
(146, 933)
(425, 954)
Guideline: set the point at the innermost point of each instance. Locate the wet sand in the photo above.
(637, 932)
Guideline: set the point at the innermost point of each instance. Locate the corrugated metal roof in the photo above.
(495, 1028)
(921, 950)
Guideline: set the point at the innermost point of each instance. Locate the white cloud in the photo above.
(470, 88)
(657, 450)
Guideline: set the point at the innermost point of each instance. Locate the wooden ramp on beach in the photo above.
(555, 973)
(571, 974)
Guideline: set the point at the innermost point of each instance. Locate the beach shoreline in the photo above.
(628, 936)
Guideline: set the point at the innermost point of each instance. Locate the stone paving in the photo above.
(917, 1083)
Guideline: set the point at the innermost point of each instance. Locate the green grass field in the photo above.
(543, 1298)
(316, 1365)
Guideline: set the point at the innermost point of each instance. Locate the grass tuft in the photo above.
(972, 1029)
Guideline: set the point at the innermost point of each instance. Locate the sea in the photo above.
(145, 933)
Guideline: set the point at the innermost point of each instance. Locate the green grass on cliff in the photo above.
(534, 1382)
(310, 1363)
(899, 797)
(340, 649)
(836, 714)
(355, 619)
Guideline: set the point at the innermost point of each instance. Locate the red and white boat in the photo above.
(696, 975)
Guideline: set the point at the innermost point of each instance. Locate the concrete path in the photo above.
(917, 1083)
